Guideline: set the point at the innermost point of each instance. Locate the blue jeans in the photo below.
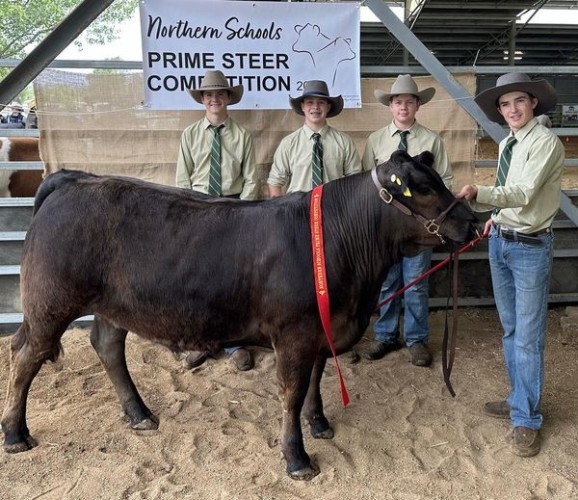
(521, 278)
(416, 305)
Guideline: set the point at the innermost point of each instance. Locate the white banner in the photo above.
(271, 48)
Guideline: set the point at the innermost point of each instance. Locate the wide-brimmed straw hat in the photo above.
(216, 80)
(317, 88)
(516, 82)
(404, 84)
(16, 105)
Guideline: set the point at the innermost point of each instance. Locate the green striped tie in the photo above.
(504, 163)
(215, 171)
(317, 161)
(403, 140)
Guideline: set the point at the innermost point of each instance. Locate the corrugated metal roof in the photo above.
(474, 32)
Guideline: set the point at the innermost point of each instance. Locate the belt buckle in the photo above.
(507, 234)
(511, 234)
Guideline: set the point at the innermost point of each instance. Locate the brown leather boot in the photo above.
(420, 355)
(497, 409)
(377, 349)
(525, 441)
(242, 359)
(192, 359)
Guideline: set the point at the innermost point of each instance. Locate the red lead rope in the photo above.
(321, 289)
(439, 265)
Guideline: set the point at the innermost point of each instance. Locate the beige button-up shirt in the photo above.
(238, 169)
(383, 142)
(292, 160)
(530, 198)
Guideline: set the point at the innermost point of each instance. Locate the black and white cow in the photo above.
(193, 273)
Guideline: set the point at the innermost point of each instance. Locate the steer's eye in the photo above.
(422, 189)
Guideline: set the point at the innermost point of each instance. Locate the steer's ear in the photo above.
(399, 157)
(427, 158)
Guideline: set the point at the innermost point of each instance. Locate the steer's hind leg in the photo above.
(313, 408)
(29, 349)
(109, 343)
(294, 371)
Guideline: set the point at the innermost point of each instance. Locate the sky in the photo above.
(129, 47)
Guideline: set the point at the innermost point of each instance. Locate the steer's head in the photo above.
(412, 186)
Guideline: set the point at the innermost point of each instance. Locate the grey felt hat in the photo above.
(516, 82)
(216, 80)
(404, 84)
(317, 88)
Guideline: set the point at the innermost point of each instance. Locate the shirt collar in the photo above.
(207, 123)
(309, 131)
(392, 128)
(525, 130)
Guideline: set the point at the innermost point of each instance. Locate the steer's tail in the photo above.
(55, 181)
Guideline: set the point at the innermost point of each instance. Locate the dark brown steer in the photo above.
(192, 273)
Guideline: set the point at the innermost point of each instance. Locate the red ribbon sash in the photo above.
(321, 290)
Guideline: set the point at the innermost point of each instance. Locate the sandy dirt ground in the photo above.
(403, 436)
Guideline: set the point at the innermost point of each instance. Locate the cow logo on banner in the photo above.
(271, 48)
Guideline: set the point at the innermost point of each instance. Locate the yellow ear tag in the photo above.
(398, 181)
(407, 192)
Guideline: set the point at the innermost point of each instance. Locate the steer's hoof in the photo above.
(148, 424)
(322, 433)
(320, 428)
(305, 473)
(26, 444)
(141, 420)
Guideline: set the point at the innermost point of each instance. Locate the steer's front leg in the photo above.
(293, 372)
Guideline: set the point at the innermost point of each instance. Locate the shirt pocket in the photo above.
(333, 163)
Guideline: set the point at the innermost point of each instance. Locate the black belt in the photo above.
(530, 239)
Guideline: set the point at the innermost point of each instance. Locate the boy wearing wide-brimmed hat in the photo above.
(293, 166)
(524, 200)
(404, 132)
(238, 169)
(235, 163)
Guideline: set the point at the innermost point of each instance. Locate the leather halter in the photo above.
(432, 225)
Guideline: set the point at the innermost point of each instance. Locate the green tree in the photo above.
(25, 23)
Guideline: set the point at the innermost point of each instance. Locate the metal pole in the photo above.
(47, 50)
(512, 44)
(406, 12)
